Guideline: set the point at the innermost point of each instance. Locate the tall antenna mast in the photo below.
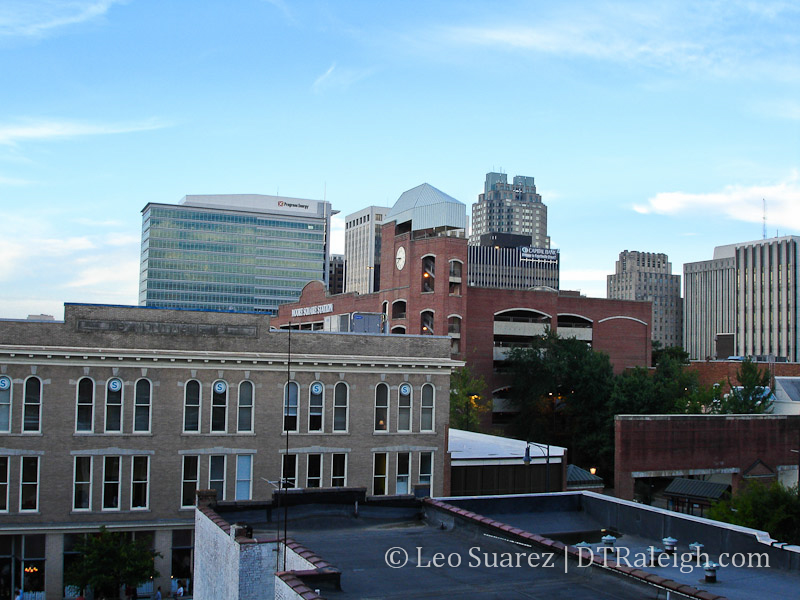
(764, 217)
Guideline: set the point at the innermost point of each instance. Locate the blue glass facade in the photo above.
(236, 259)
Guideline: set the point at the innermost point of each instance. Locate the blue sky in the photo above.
(647, 127)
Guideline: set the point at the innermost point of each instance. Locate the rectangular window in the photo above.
(339, 470)
(379, 474)
(29, 484)
(82, 483)
(141, 408)
(216, 475)
(5, 404)
(111, 481)
(4, 475)
(314, 471)
(244, 422)
(191, 407)
(403, 472)
(33, 404)
(426, 469)
(426, 418)
(244, 477)
(189, 480)
(114, 390)
(289, 471)
(140, 476)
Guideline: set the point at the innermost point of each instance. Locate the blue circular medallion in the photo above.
(220, 387)
(114, 385)
(405, 389)
(316, 388)
(5, 383)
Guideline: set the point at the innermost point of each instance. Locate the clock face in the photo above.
(400, 259)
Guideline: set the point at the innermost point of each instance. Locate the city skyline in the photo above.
(650, 128)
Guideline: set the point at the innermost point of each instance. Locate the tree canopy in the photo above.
(751, 396)
(774, 508)
(467, 402)
(108, 561)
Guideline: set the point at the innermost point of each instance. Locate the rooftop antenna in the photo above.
(764, 211)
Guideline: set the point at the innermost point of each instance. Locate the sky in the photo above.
(659, 127)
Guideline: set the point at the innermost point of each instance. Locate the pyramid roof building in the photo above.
(428, 208)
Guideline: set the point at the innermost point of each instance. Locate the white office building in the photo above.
(362, 249)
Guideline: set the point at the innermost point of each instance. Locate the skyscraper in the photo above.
(241, 252)
(648, 276)
(515, 208)
(362, 249)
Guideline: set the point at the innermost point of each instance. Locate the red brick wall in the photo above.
(711, 372)
(663, 443)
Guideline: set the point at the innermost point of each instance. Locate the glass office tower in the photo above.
(242, 252)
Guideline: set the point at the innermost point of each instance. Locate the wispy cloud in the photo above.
(13, 181)
(45, 130)
(339, 78)
(282, 7)
(740, 203)
(39, 17)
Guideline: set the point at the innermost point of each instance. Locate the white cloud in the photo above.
(43, 130)
(12, 181)
(337, 234)
(339, 78)
(120, 278)
(38, 17)
(740, 203)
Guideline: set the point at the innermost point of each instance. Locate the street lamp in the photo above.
(527, 460)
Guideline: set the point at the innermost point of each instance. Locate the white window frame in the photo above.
(406, 475)
(185, 480)
(293, 479)
(118, 483)
(137, 406)
(78, 406)
(199, 405)
(431, 408)
(224, 473)
(308, 469)
(409, 408)
(22, 482)
(8, 405)
(38, 406)
(240, 479)
(386, 409)
(76, 483)
(321, 428)
(240, 407)
(287, 407)
(344, 475)
(139, 482)
(346, 407)
(428, 475)
(216, 407)
(121, 406)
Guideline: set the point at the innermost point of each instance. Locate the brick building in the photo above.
(424, 290)
(116, 415)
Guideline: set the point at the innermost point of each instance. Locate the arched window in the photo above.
(399, 330)
(219, 406)
(191, 406)
(399, 309)
(244, 419)
(290, 392)
(84, 418)
(428, 273)
(426, 418)
(340, 406)
(32, 411)
(404, 407)
(5, 404)
(454, 325)
(426, 322)
(114, 389)
(316, 405)
(382, 407)
(141, 406)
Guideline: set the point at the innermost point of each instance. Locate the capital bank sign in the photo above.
(538, 254)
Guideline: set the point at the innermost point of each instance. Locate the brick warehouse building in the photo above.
(118, 414)
(425, 289)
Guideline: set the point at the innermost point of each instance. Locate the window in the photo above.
(339, 470)
(244, 476)
(111, 481)
(290, 391)
(219, 406)
(32, 409)
(5, 404)
(454, 325)
(191, 406)
(379, 474)
(403, 472)
(426, 322)
(4, 476)
(455, 268)
(114, 405)
(189, 480)
(428, 273)
(399, 309)
(216, 475)
(85, 412)
(141, 407)
(289, 471)
(315, 406)
(82, 488)
(426, 418)
(244, 421)
(29, 484)
(404, 407)
(340, 401)
(382, 407)
(314, 471)
(140, 476)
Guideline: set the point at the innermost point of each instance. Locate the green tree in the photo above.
(751, 396)
(108, 561)
(467, 403)
(774, 508)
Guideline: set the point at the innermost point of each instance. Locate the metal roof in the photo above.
(695, 489)
(578, 476)
(469, 445)
(428, 208)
